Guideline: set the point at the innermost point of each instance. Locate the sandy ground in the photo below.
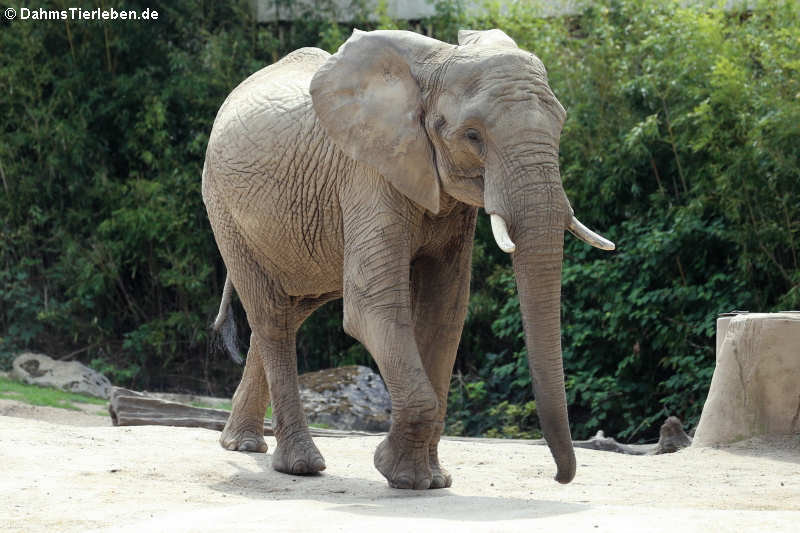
(84, 477)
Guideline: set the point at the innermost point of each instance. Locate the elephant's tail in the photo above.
(224, 324)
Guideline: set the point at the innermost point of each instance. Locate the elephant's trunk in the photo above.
(537, 266)
(537, 215)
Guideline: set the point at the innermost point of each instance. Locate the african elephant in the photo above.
(359, 176)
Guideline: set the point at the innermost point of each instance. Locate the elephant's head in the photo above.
(478, 122)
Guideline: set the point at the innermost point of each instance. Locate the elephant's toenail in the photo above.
(423, 484)
(403, 483)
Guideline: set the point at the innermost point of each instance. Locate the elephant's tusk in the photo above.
(588, 236)
(500, 232)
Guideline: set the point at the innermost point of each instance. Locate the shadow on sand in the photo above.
(784, 448)
(373, 497)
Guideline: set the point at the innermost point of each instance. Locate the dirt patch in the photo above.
(87, 414)
(62, 478)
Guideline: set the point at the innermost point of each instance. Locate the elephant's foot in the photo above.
(298, 455)
(403, 463)
(440, 478)
(243, 437)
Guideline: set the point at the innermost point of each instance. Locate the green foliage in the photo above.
(105, 244)
(512, 418)
(226, 406)
(105, 248)
(14, 390)
(680, 145)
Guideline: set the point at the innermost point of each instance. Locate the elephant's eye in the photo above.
(473, 135)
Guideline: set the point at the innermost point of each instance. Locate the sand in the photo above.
(69, 471)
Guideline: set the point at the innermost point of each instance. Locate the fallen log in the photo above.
(608, 444)
(599, 442)
(131, 408)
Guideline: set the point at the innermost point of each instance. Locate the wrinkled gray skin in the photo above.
(359, 176)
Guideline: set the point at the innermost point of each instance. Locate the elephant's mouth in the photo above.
(467, 188)
(476, 177)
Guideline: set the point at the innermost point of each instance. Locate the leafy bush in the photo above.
(105, 248)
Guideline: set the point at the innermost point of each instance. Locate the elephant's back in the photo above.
(276, 175)
(261, 123)
(294, 70)
(270, 93)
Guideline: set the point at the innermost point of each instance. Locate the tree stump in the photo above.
(755, 389)
(672, 437)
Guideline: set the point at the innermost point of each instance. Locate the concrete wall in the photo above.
(344, 10)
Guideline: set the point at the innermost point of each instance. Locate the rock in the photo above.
(70, 376)
(755, 389)
(348, 397)
(672, 437)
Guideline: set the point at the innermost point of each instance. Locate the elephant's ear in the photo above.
(488, 37)
(368, 100)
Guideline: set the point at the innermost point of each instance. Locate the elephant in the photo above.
(359, 176)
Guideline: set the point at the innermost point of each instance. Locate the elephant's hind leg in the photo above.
(296, 452)
(270, 373)
(244, 430)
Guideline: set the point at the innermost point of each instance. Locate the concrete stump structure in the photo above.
(756, 385)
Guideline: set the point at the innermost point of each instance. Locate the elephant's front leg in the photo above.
(377, 311)
(440, 285)
(403, 456)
